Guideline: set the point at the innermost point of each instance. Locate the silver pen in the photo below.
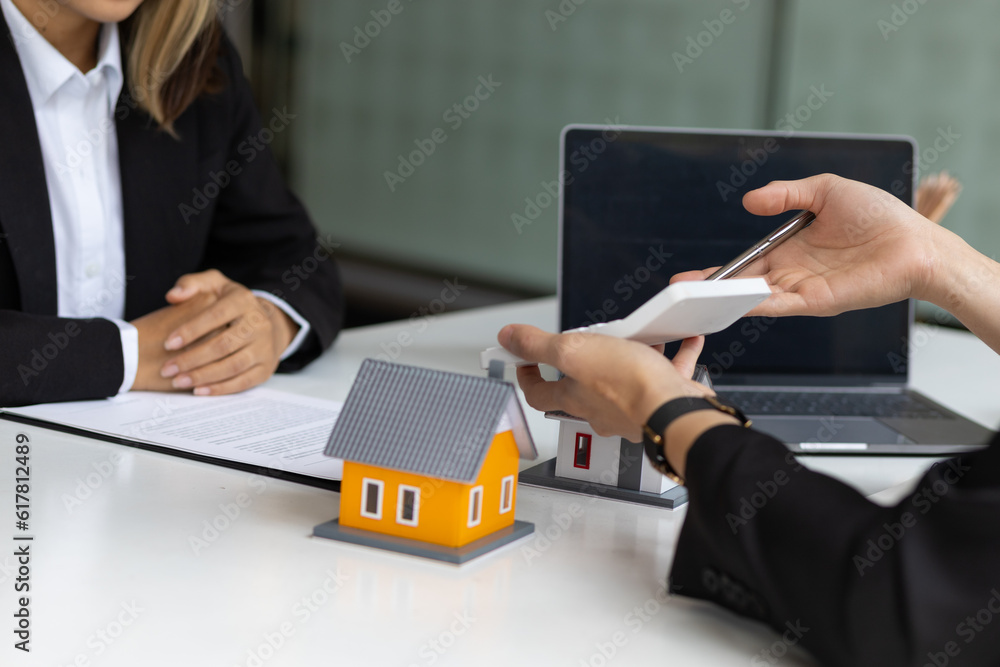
(802, 220)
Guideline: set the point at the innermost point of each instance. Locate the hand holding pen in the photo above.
(866, 248)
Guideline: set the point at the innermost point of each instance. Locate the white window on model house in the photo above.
(581, 451)
(475, 506)
(506, 494)
(408, 505)
(371, 498)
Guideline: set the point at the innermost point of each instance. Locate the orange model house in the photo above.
(430, 462)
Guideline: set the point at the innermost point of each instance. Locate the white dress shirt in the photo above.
(74, 114)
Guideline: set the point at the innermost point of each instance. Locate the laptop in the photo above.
(640, 204)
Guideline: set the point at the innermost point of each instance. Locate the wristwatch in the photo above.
(654, 429)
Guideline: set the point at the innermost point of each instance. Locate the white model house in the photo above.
(584, 456)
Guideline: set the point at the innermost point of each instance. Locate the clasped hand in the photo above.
(216, 337)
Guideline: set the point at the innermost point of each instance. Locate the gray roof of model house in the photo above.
(425, 422)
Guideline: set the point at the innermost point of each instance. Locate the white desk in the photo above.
(329, 603)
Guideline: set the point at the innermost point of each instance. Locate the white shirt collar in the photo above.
(46, 70)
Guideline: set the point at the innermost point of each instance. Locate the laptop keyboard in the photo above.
(835, 404)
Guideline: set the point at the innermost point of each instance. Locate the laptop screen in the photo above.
(640, 205)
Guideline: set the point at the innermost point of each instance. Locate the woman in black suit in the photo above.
(147, 240)
(855, 583)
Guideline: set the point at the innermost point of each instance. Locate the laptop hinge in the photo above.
(873, 389)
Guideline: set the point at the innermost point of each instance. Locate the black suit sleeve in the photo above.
(49, 359)
(856, 583)
(261, 235)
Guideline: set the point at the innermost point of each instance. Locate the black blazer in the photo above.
(855, 583)
(253, 230)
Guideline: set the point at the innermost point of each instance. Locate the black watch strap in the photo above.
(656, 427)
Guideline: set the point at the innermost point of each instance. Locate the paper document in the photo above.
(260, 427)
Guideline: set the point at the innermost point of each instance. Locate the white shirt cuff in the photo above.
(130, 353)
(304, 327)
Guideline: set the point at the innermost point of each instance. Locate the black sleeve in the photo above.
(856, 583)
(261, 235)
(48, 359)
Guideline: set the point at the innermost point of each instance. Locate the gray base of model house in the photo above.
(334, 531)
(544, 475)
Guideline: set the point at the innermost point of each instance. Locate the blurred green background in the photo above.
(363, 100)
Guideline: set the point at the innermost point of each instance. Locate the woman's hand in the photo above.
(614, 384)
(153, 329)
(244, 337)
(866, 248)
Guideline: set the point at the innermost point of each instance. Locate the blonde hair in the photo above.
(172, 54)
